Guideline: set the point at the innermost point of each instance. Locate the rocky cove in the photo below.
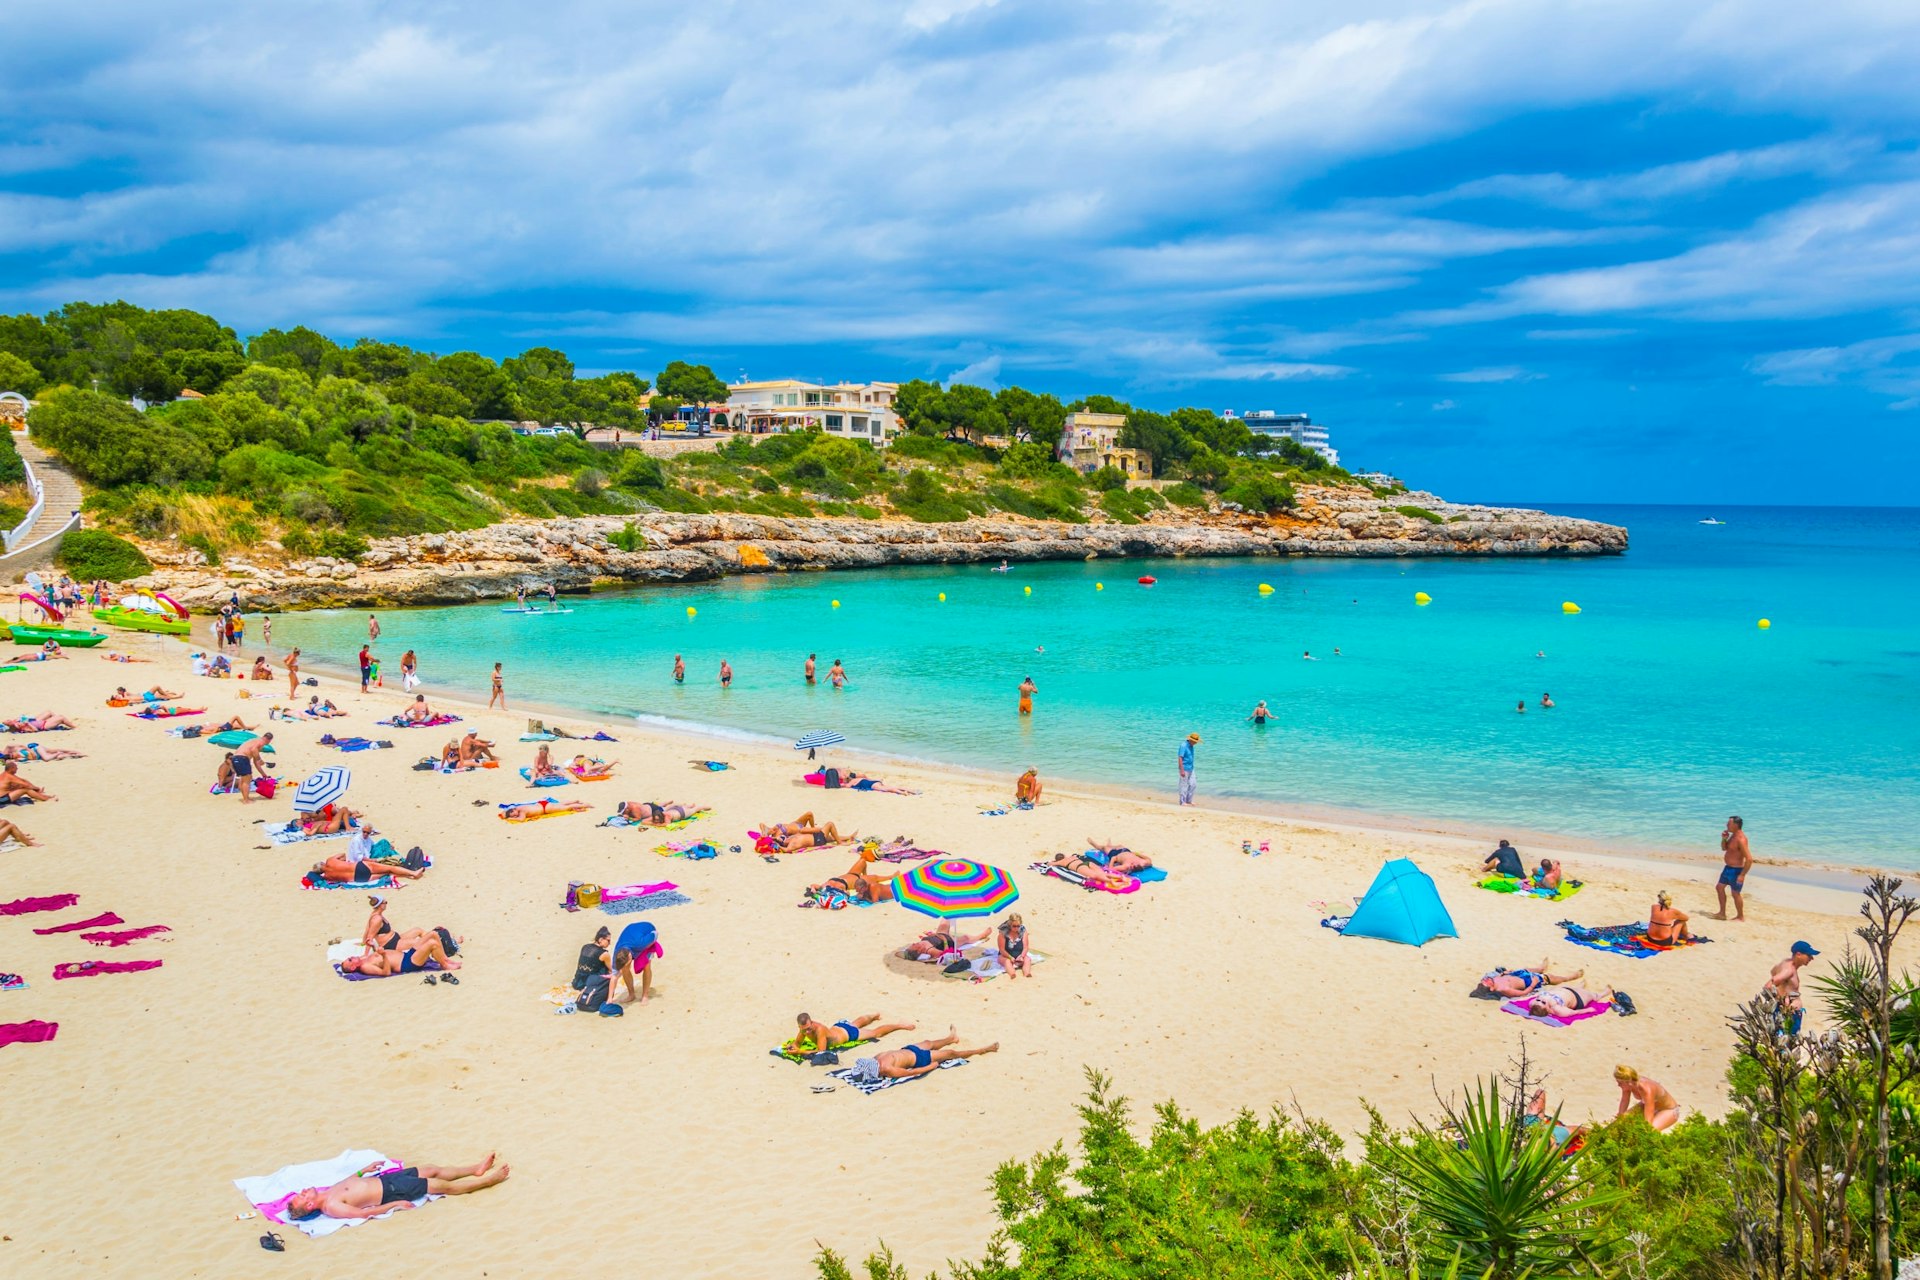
(578, 554)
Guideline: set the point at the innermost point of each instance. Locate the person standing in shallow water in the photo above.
(679, 669)
(1186, 767)
(726, 674)
(810, 662)
(1027, 690)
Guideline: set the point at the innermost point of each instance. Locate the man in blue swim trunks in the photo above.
(1512, 984)
(915, 1059)
(1738, 855)
(813, 1036)
(369, 1197)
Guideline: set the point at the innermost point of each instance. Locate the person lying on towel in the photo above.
(941, 940)
(524, 810)
(1121, 859)
(1515, 984)
(916, 1059)
(848, 780)
(649, 814)
(45, 722)
(391, 964)
(370, 1197)
(1563, 1001)
(858, 882)
(795, 838)
(814, 1036)
(1087, 869)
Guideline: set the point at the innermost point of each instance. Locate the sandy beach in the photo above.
(669, 1137)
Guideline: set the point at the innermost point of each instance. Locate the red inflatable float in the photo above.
(1147, 582)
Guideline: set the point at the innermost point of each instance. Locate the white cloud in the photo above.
(1886, 366)
(981, 373)
(1503, 373)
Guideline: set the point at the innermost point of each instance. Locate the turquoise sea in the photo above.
(1673, 708)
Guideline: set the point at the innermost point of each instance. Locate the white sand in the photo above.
(669, 1138)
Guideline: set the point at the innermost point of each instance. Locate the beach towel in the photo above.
(314, 880)
(983, 961)
(552, 780)
(644, 902)
(1522, 888)
(578, 776)
(538, 737)
(269, 1194)
(100, 921)
(875, 1086)
(26, 906)
(167, 713)
(996, 811)
(636, 890)
(1075, 878)
(698, 850)
(907, 853)
(122, 937)
(292, 834)
(93, 968)
(807, 1055)
(401, 722)
(832, 899)
(1146, 875)
(1593, 1010)
(35, 1032)
(1628, 940)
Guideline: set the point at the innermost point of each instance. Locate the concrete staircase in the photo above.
(61, 494)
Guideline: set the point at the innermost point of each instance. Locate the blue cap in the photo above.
(1804, 949)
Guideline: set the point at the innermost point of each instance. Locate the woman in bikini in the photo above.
(1120, 859)
(1027, 790)
(1092, 872)
(1016, 954)
(45, 722)
(585, 768)
(1564, 1000)
(649, 814)
(327, 819)
(393, 962)
(939, 941)
(1664, 924)
(261, 671)
(859, 884)
(380, 935)
(34, 751)
(543, 765)
(340, 869)
(1649, 1097)
(526, 810)
(1517, 984)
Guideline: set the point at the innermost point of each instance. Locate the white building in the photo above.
(856, 410)
(1297, 427)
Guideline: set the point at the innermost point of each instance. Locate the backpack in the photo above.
(594, 995)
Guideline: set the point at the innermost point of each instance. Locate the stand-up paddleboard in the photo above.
(525, 611)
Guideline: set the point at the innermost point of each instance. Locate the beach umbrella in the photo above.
(322, 787)
(952, 887)
(819, 738)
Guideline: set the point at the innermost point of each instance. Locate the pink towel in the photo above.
(89, 968)
(100, 921)
(1593, 1010)
(27, 1032)
(636, 891)
(121, 937)
(21, 906)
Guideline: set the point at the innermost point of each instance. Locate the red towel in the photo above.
(100, 921)
(121, 937)
(27, 1032)
(89, 968)
(21, 906)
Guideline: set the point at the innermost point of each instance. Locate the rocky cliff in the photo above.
(489, 563)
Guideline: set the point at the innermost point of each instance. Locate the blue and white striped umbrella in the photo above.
(819, 738)
(321, 788)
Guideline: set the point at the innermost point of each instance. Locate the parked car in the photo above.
(551, 431)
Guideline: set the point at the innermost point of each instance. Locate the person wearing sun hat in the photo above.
(1783, 985)
(1186, 767)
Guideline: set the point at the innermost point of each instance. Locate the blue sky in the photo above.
(1578, 251)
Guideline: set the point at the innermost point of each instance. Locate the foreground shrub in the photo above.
(88, 554)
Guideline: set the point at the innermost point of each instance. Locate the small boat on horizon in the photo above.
(1711, 520)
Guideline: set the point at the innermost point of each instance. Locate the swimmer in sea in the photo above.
(810, 662)
(1540, 653)
(1260, 713)
(679, 670)
(1521, 707)
(1546, 700)
(1336, 651)
(1308, 656)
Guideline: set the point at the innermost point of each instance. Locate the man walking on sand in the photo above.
(1738, 856)
(1186, 767)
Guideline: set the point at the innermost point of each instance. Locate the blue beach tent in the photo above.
(1402, 906)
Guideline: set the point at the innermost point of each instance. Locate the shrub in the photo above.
(12, 470)
(340, 544)
(922, 497)
(590, 482)
(1185, 495)
(1107, 479)
(1257, 489)
(94, 553)
(204, 545)
(629, 538)
(766, 483)
(640, 472)
(1419, 513)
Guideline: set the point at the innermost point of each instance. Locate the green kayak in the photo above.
(28, 634)
(142, 620)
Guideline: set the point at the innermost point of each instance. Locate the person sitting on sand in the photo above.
(1505, 861)
(648, 814)
(14, 787)
(419, 712)
(1666, 925)
(593, 959)
(1015, 947)
(1092, 872)
(1536, 1114)
(223, 777)
(1026, 792)
(584, 768)
(816, 1037)
(261, 671)
(1650, 1097)
(34, 751)
(396, 962)
(369, 1197)
(450, 757)
(1120, 859)
(522, 810)
(858, 883)
(941, 940)
(474, 749)
(543, 765)
(849, 780)
(380, 935)
(1515, 984)
(8, 831)
(1547, 875)
(915, 1060)
(1563, 1000)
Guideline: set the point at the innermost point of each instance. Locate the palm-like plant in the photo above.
(1500, 1196)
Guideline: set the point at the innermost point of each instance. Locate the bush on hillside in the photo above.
(88, 554)
(1419, 513)
(12, 470)
(1185, 495)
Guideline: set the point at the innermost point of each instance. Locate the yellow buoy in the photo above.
(836, 604)
(1028, 590)
(1568, 606)
(1265, 589)
(943, 597)
(1766, 624)
(1421, 597)
(690, 611)
(1099, 586)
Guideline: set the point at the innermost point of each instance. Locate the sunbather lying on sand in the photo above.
(798, 839)
(324, 821)
(321, 710)
(816, 1036)
(155, 694)
(848, 780)
(860, 883)
(1121, 859)
(915, 1059)
(1564, 1000)
(649, 814)
(232, 722)
(393, 963)
(342, 869)
(525, 809)
(1512, 984)
(803, 823)
(45, 722)
(1088, 869)
(939, 941)
(51, 649)
(13, 786)
(123, 657)
(370, 1197)
(380, 935)
(582, 767)
(34, 751)
(8, 831)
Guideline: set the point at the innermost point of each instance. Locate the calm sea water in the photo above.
(1673, 708)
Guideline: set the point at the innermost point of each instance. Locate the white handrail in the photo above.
(33, 513)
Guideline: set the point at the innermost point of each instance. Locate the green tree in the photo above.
(108, 442)
(204, 371)
(17, 374)
(919, 404)
(301, 348)
(482, 383)
(1100, 404)
(1029, 416)
(972, 412)
(690, 383)
(537, 363)
(1155, 433)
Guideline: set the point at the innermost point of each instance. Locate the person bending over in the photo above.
(1027, 790)
(1649, 1097)
(813, 1037)
(369, 1197)
(915, 1059)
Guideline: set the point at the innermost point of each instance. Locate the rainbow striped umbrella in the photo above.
(952, 887)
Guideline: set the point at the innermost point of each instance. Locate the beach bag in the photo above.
(266, 786)
(416, 860)
(594, 995)
(830, 778)
(586, 895)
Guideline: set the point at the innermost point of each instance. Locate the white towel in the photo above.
(263, 1191)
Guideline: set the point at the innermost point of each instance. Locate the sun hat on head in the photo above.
(1193, 737)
